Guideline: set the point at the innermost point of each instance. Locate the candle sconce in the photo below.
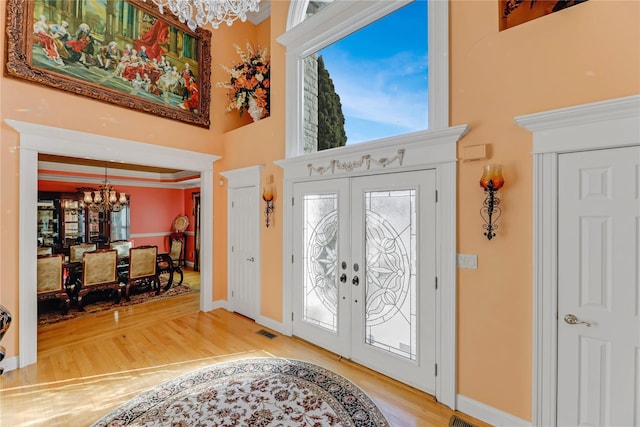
(491, 181)
(267, 196)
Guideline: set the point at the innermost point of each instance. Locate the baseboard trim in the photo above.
(10, 364)
(271, 324)
(488, 414)
(214, 305)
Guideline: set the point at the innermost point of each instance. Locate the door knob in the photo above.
(343, 278)
(250, 259)
(355, 281)
(573, 320)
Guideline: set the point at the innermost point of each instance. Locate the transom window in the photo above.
(363, 71)
(371, 84)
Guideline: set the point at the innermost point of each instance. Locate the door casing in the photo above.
(34, 139)
(249, 177)
(435, 149)
(601, 125)
(348, 222)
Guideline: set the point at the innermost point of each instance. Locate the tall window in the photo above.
(371, 84)
(359, 71)
(120, 224)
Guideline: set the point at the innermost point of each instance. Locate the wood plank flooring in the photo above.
(89, 365)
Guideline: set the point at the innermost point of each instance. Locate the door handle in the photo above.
(343, 278)
(571, 319)
(251, 259)
(355, 280)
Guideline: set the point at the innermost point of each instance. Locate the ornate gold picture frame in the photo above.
(123, 52)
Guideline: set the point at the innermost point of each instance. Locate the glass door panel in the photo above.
(393, 235)
(390, 286)
(320, 245)
(321, 299)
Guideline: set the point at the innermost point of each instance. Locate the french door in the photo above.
(364, 271)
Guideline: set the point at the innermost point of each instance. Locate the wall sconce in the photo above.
(491, 181)
(267, 196)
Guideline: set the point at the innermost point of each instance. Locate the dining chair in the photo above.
(175, 254)
(99, 272)
(143, 268)
(50, 280)
(76, 251)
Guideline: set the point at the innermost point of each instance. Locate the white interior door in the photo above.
(367, 271)
(244, 283)
(599, 288)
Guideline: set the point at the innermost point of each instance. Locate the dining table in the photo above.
(73, 272)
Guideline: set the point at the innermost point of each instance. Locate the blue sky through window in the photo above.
(380, 73)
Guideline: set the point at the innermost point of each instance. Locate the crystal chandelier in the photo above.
(105, 199)
(198, 13)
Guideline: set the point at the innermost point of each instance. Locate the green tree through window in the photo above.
(331, 131)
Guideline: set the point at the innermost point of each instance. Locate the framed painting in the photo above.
(123, 52)
(516, 12)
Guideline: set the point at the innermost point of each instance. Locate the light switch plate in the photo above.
(468, 261)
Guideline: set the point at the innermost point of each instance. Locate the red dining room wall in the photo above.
(152, 210)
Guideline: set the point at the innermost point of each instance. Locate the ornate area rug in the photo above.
(260, 392)
(49, 312)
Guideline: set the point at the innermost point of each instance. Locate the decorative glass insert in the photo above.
(320, 234)
(390, 288)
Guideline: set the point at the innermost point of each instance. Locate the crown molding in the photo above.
(67, 168)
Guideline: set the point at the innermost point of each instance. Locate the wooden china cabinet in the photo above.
(63, 220)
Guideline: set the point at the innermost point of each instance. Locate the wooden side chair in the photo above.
(143, 268)
(51, 279)
(99, 272)
(177, 246)
(76, 251)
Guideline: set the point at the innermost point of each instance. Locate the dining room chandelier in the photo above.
(105, 199)
(198, 13)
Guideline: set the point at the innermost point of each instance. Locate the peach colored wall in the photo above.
(34, 103)
(259, 143)
(586, 53)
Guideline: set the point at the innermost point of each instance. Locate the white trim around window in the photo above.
(340, 19)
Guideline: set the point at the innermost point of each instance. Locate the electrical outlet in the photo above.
(468, 261)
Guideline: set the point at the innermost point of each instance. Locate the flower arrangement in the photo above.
(248, 88)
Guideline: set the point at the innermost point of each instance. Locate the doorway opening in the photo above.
(36, 139)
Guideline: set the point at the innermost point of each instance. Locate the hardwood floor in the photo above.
(89, 365)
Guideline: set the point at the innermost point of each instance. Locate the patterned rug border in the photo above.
(354, 404)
